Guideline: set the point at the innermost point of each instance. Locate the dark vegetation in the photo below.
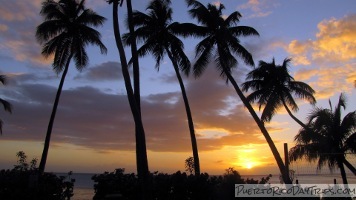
(178, 185)
(24, 182)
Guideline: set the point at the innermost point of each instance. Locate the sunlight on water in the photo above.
(83, 193)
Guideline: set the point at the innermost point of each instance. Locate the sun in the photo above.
(249, 165)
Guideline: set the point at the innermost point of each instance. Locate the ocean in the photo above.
(84, 186)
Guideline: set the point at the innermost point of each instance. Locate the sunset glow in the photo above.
(94, 129)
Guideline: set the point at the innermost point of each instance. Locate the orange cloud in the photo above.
(259, 8)
(331, 54)
(299, 51)
(305, 74)
(336, 40)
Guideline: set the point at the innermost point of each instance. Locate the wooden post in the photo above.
(286, 158)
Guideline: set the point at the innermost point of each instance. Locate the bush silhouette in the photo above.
(25, 182)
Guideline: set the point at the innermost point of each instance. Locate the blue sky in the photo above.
(93, 130)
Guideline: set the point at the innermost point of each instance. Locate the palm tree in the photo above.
(328, 138)
(65, 32)
(6, 104)
(220, 42)
(141, 152)
(158, 35)
(274, 87)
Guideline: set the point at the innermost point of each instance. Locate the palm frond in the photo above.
(253, 85)
(256, 96)
(303, 91)
(62, 55)
(203, 53)
(233, 19)
(238, 49)
(52, 10)
(288, 99)
(237, 31)
(80, 57)
(90, 18)
(7, 105)
(271, 106)
(224, 60)
(49, 29)
(3, 79)
(350, 143)
(91, 36)
(337, 112)
(348, 124)
(182, 59)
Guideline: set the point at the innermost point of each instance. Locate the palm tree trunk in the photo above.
(293, 117)
(351, 168)
(342, 171)
(140, 138)
(282, 168)
(141, 152)
(136, 71)
(189, 115)
(51, 120)
(135, 63)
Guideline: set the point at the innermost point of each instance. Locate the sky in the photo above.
(94, 129)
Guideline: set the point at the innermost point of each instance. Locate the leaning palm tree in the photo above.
(141, 152)
(157, 33)
(220, 42)
(327, 138)
(65, 32)
(273, 87)
(6, 104)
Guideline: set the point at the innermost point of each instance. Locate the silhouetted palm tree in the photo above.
(157, 33)
(220, 42)
(141, 152)
(328, 138)
(274, 87)
(7, 105)
(65, 32)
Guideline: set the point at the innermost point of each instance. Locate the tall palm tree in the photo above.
(7, 105)
(141, 152)
(328, 138)
(65, 32)
(220, 42)
(274, 87)
(157, 33)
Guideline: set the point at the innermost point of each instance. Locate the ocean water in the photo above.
(84, 186)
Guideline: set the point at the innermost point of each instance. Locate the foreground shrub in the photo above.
(178, 185)
(23, 182)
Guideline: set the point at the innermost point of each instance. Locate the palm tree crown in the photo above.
(7, 105)
(274, 87)
(158, 34)
(328, 138)
(220, 37)
(66, 32)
